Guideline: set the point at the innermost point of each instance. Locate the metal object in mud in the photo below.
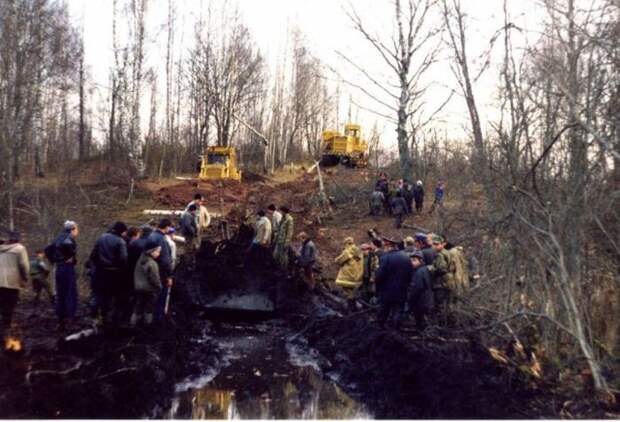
(253, 302)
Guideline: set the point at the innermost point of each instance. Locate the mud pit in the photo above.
(261, 375)
(311, 358)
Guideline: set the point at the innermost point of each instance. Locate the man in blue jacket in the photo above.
(109, 258)
(391, 281)
(420, 290)
(164, 261)
(63, 253)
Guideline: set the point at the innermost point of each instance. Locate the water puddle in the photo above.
(262, 377)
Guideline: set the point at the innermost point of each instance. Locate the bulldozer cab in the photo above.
(353, 131)
(220, 163)
(347, 149)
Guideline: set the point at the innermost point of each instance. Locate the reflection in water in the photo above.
(301, 394)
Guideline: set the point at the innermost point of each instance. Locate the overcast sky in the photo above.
(327, 29)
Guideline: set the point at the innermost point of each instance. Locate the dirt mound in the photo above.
(430, 377)
(177, 196)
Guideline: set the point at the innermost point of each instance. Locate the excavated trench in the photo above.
(310, 357)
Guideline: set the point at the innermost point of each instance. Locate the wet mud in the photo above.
(309, 358)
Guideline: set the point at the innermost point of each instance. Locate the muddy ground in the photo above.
(135, 374)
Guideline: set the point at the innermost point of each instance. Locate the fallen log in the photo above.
(173, 212)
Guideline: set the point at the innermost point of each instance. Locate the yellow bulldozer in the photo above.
(348, 149)
(219, 163)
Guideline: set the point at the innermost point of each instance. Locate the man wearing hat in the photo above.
(63, 253)
(440, 272)
(351, 261)
(418, 196)
(391, 280)
(147, 284)
(420, 291)
(109, 257)
(14, 269)
(423, 244)
(189, 228)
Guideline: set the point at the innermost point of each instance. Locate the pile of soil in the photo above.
(429, 376)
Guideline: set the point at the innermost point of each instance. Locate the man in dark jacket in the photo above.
(189, 228)
(63, 253)
(391, 280)
(408, 195)
(377, 199)
(384, 186)
(164, 262)
(423, 244)
(399, 208)
(418, 196)
(137, 246)
(420, 291)
(109, 258)
(306, 258)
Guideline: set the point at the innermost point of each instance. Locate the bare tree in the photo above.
(409, 55)
(454, 20)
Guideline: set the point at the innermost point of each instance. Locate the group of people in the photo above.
(420, 275)
(398, 197)
(274, 233)
(130, 270)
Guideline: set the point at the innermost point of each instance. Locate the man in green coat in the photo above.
(441, 273)
(147, 284)
(283, 238)
(39, 271)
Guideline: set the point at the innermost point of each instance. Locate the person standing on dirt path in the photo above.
(283, 239)
(391, 281)
(109, 257)
(408, 195)
(203, 218)
(399, 208)
(420, 296)
(14, 269)
(189, 228)
(147, 284)
(377, 199)
(418, 196)
(440, 191)
(384, 186)
(351, 261)
(164, 262)
(306, 258)
(276, 219)
(63, 253)
(39, 272)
